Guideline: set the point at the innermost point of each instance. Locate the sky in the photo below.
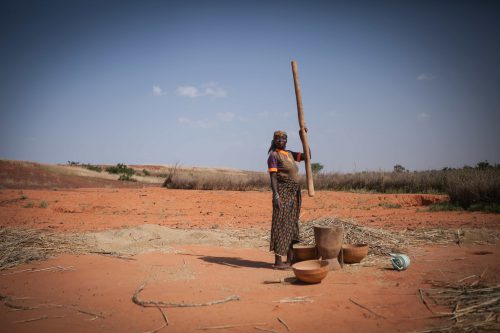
(206, 83)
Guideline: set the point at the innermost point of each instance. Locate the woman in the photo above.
(286, 199)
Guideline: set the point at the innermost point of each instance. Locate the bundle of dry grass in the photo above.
(448, 236)
(19, 246)
(475, 308)
(380, 241)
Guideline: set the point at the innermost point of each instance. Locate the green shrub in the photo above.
(43, 204)
(126, 177)
(316, 167)
(92, 167)
(146, 172)
(444, 206)
(120, 169)
(490, 208)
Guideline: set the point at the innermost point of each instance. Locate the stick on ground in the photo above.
(367, 309)
(284, 324)
(265, 329)
(163, 304)
(424, 301)
(223, 327)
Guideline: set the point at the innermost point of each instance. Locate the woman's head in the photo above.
(279, 140)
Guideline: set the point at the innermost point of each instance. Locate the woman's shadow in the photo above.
(236, 262)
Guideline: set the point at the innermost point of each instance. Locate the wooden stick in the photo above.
(36, 319)
(228, 326)
(297, 299)
(165, 319)
(164, 315)
(423, 300)
(367, 309)
(162, 304)
(284, 324)
(302, 132)
(265, 329)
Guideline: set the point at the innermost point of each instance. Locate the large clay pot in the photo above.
(328, 244)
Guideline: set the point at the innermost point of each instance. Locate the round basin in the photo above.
(311, 271)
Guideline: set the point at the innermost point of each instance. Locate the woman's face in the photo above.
(280, 141)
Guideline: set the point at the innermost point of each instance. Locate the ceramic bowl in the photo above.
(353, 253)
(304, 252)
(311, 271)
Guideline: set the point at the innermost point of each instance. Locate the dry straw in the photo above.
(380, 241)
(383, 242)
(20, 246)
(476, 308)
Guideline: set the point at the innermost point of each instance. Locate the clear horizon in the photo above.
(206, 84)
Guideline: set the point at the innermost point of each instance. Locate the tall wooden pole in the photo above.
(302, 131)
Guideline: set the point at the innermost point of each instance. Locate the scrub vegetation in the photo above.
(469, 188)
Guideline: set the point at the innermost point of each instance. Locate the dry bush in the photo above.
(383, 181)
(467, 187)
(214, 181)
(196, 179)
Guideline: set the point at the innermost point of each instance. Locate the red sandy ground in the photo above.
(104, 285)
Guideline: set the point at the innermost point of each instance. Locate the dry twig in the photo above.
(424, 301)
(475, 308)
(163, 304)
(265, 329)
(298, 299)
(367, 309)
(36, 319)
(284, 324)
(227, 326)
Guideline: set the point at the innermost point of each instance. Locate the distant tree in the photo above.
(316, 167)
(483, 165)
(399, 168)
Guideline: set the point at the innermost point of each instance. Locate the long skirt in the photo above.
(285, 225)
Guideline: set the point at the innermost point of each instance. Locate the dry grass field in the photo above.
(82, 251)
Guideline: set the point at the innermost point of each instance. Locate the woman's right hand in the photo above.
(277, 202)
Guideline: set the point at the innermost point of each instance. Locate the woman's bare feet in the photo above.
(279, 264)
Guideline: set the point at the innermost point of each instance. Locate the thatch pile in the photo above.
(475, 308)
(380, 241)
(19, 246)
(383, 242)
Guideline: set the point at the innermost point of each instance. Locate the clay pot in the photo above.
(311, 271)
(328, 243)
(304, 252)
(354, 253)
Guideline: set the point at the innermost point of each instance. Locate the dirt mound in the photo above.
(149, 237)
(20, 174)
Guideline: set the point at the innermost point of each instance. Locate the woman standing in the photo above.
(286, 199)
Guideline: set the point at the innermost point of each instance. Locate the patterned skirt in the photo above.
(285, 225)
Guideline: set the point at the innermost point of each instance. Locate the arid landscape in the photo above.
(86, 252)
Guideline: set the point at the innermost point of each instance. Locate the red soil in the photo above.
(197, 274)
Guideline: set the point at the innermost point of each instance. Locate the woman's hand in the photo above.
(276, 201)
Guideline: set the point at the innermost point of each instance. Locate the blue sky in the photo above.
(205, 83)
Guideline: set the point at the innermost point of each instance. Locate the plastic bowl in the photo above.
(311, 271)
(304, 252)
(353, 253)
